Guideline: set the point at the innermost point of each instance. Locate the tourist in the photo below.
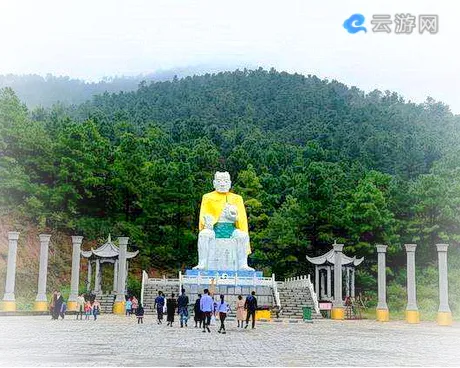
(140, 314)
(80, 306)
(251, 306)
(58, 305)
(134, 305)
(182, 305)
(223, 309)
(171, 306)
(87, 309)
(206, 306)
(240, 312)
(63, 309)
(96, 308)
(198, 316)
(159, 305)
(128, 307)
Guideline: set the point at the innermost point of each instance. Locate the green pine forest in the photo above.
(315, 161)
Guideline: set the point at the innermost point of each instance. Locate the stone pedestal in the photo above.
(382, 312)
(444, 313)
(74, 281)
(41, 301)
(9, 300)
(338, 311)
(119, 305)
(412, 312)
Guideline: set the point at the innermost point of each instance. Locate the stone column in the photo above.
(118, 306)
(115, 276)
(74, 281)
(125, 290)
(329, 282)
(382, 312)
(317, 280)
(444, 313)
(9, 301)
(322, 277)
(353, 283)
(90, 271)
(412, 313)
(41, 301)
(337, 309)
(97, 277)
(347, 285)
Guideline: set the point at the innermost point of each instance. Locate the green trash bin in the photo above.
(306, 313)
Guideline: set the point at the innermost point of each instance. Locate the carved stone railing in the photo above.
(276, 294)
(229, 280)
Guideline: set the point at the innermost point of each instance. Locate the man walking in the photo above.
(159, 305)
(206, 306)
(251, 306)
(182, 307)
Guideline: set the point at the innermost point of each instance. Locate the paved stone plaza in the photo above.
(116, 341)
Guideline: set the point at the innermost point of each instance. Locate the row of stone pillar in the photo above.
(9, 299)
(41, 301)
(412, 313)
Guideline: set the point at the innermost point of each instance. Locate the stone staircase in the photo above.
(293, 299)
(151, 292)
(106, 301)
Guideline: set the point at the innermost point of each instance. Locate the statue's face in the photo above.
(222, 182)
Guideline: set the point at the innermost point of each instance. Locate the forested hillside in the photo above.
(315, 161)
(35, 90)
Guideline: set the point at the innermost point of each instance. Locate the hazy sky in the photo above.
(92, 39)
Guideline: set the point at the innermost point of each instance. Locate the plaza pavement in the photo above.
(117, 341)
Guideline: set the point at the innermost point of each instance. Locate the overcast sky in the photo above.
(92, 39)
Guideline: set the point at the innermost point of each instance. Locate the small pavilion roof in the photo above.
(329, 258)
(107, 250)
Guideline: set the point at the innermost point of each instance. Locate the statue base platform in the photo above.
(224, 274)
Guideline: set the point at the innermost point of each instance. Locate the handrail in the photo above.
(276, 294)
(145, 277)
(313, 295)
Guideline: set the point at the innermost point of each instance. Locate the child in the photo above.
(128, 306)
(96, 309)
(87, 310)
(140, 314)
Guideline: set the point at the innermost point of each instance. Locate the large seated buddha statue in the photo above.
(223, 240)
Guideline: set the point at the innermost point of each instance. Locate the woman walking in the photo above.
(223, 309)
(240, 311)
(197, 311)
(171, 306)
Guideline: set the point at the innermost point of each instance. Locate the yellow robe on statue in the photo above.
(213, 204)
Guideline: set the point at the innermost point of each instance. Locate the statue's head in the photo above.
(222, 182)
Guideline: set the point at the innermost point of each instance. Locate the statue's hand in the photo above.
(208, 222)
